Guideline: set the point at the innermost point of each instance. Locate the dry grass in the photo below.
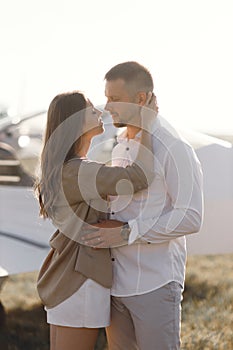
(207, 309)
(208, 303)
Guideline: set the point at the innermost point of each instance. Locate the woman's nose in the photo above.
(108, 106)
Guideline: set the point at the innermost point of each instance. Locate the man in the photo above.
(149, 271)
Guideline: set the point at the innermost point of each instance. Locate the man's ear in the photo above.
(142, 96)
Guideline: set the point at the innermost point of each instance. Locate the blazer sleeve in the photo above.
(98, 180)
(95, 180)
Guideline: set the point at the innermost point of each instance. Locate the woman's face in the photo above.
(93, 124)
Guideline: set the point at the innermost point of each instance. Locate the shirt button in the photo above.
(127, 148)
(148, 242)
(113, 213)
(113, 259)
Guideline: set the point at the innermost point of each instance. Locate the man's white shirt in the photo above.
(159, 217)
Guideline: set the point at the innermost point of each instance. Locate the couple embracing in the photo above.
(117, 259)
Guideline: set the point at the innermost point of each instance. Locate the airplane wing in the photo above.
(24, 236)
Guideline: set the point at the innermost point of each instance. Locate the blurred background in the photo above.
(49, 47)
(56, 45)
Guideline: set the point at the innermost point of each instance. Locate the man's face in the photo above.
(122, 105)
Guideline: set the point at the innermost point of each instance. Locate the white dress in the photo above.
(88, 307)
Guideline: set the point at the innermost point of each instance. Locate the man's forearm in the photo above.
(174, 224)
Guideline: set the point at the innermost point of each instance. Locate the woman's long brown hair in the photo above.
(62, 138)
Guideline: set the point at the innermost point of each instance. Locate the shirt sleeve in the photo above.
(184, 183)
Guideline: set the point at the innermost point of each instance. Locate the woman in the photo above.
(74, 281)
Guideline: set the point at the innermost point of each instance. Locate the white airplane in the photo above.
(24, 236)
(216, 234)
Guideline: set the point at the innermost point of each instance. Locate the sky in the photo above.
(52, 46)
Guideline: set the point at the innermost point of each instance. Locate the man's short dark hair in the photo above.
(133, 74)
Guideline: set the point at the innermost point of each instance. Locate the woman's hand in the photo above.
(149, 112)
(151, 102)
(105, 234)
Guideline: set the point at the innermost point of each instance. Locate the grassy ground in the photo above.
(207, 309)
(208, 303)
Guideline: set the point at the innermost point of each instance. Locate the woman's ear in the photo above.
(142, 97)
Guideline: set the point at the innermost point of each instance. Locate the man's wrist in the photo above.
(125, 231)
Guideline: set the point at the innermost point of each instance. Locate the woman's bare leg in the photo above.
(52, 337)
(69, 338)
